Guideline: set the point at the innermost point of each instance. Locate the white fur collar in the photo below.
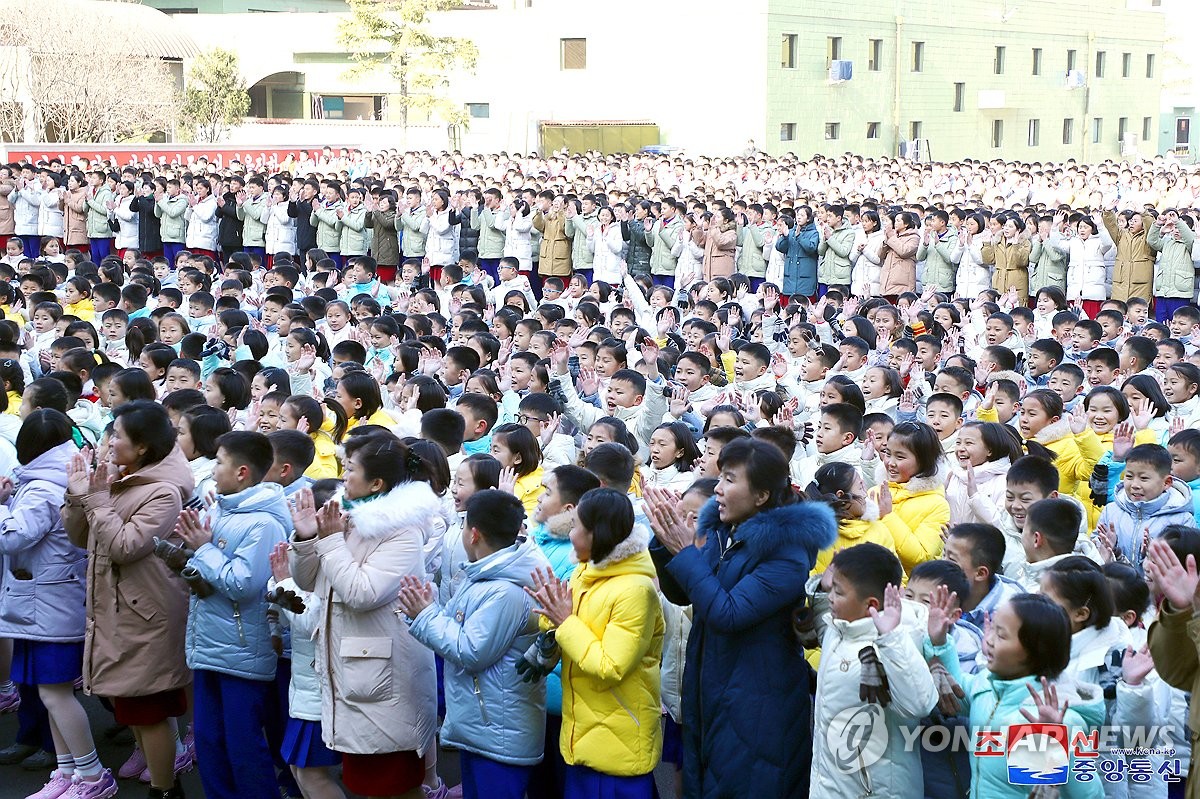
(1054, 431)
(637, 541)
(411, 504)
(918, 485)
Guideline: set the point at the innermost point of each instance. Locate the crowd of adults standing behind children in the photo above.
(584, 466)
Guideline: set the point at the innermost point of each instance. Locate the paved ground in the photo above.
(16, 783)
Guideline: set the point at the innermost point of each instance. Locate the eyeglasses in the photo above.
(524, 418)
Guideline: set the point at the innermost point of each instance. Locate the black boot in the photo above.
(174, 792)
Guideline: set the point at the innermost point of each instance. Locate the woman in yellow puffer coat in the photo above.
(608, 625)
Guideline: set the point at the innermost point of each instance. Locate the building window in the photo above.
(1149, 65)
(1097, 129)
(875, 55)
(960, 93)
(1122, 128)
(1068, 131)
(479, 110)
(997, 133)
(788, 61)
(1147, 128)
(873, 130)
(833, 131)
(572, 53)
(833, 50)
(998, 62)
(918, 61)
(1101, 57)
(1126, 64)
(787, 131)
(1034, 136)
(914, 130)
(1071, 65)
(1037, 61)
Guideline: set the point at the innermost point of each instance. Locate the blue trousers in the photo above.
(229, 717)
(171, 250)
(99, 249)
(586, 783)
(491, 267)
(1165, 307)
(663, 280)
(32, 245)
(484, 777)
(261, 252)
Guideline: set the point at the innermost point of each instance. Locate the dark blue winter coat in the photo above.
(800, 268)
(746, 703)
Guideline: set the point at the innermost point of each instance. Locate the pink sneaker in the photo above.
(58, 785)
(185, 761)
(103, 788)
(10, 701)
(134, 766)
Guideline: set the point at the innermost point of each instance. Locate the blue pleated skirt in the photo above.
(46, 662)
(303, 748)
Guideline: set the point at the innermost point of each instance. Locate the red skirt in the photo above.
(146, 711)
(385, 774)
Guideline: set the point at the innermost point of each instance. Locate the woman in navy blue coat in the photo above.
(746, 704)
(799, 243)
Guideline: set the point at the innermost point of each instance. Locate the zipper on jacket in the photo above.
(479, 698)
(237, 617)
(626, 707)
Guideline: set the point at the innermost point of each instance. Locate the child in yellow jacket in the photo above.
(913, 504)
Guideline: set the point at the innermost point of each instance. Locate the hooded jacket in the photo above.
(378, 686)
(227, 631)
(134, 641)
(919, 512)
(851, 532)
(48, 605)
(611, 649)
(744, 673)
(992, 704)
(553, 538)
(482, 633)
(1134, 521)
(1075, 456)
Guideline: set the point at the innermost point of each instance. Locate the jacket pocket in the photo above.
(19, 601)
(367, 669)
(135, 598)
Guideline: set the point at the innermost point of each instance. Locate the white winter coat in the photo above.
(987, 506)
(202, 225)
(50, 214)
(605, 245)
(1087, 272)
(281, 230)
(128, 235)
(868, 268)
(378, 685)
(518, 241)
(973, 275)
(440, 245)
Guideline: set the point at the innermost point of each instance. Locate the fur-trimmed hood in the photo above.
(1055, 431)
(921, 485)
(802, 524)
(637, 541)
(411, 504)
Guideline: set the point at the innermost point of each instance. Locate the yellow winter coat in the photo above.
(919, 512)
(325, 463)
(84, 309)
(611, 648)
(1075, 457)
(529, 490)
(855, 531)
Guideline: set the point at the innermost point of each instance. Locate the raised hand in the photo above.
(549, 429)
(589, 381)
(330, 519)
(1141, 415)
(194, 531)
(1078, 419)
(943, 608)
(281, 569)
(414, 596)
(304, 514)
(887, 619)
(679, 401)
(982, 371)
(1176, 582)
(908, 401)
(560, 356)
(1106, 542)
(508, 480)
(553, 595)
(885, 500)
(779, 366)
(786, 418)
(1136, 665)
(1122, 439)
(1048, 711)
(972, 485)
(676, 532)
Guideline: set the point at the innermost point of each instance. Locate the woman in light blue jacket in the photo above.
(494, 719)
(42, 605)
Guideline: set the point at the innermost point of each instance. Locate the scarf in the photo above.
(351, 504)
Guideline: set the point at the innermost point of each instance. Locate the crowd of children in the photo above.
(499, 484)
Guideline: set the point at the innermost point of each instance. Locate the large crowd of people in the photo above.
(594, 467)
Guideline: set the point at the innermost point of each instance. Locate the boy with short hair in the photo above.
(294, 452)
(539, 412)
(1067, 381)
(182, 373)
(944, 413)
(1049, 535)
(979, 550)
(1103, 367)
(482, 633)
(853, 362)
(714, 441)
(1085, 337)
(200, 312)
(1184, 447)
(924, 580)
(835, 440)
(1147, 500)
(1112, 327)
(457, 366)
(228, 641)
(479, 411)
(862, 641)
(1137, 310)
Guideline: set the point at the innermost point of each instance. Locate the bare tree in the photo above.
(85, 77)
